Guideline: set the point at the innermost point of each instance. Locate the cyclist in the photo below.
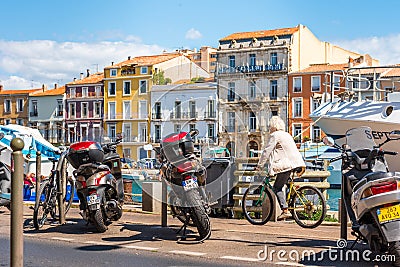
(283, 157)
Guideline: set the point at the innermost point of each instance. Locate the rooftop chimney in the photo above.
(112, 63)
(87, 73)
(1, 87)
(129, 57)
(81, 77)
(55, 86)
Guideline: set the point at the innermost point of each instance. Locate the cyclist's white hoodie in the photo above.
(282, 154)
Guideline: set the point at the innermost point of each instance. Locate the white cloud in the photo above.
(193, 34)
(386, 48)
(27, 64)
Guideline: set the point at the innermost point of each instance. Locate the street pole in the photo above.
(163, 203)
(17, 220)
(343, 213)
(61, 180)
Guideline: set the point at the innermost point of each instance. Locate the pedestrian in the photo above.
(29, 183)
(283, 157)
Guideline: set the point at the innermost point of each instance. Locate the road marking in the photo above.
(29, 234)
(140, 248)
(191, 253)
(239, 258)
(62, 239)
(97, 243)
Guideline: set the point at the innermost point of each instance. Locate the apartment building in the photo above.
(14, 106)
(319, 83)
(252, 74)
(205, 57)
(84, 108)
(184, 107)
(46, 111)
(127, 103)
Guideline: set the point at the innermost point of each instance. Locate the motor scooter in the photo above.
(5, 182)
(371, 192)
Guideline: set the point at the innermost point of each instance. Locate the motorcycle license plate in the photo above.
(388, 214)
(93, 199)
(189, 184)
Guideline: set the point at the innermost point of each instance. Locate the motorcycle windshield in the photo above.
(360, 138)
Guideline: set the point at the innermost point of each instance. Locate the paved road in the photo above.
(237, 241)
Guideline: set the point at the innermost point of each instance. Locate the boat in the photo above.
(375, 102)
(33, 142)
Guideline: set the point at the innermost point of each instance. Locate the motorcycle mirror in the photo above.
(194, 133)
(1, 135)
(394, 135)
(328, 141)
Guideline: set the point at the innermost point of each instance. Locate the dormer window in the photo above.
(113, 72)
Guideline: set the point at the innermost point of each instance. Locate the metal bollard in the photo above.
(17, 213)
(343, 213)
(61, 183)
(164, 204)
(38, 171)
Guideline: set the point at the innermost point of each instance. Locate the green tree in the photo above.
(159, 79)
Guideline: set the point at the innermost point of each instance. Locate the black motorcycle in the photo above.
(371, 193)
(186, 177)
(99, 181)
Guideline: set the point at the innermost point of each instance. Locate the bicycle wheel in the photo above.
(257, 204)
(69, 195)
(40, 211)
(308, 207)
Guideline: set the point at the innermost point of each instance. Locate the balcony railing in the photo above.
(252, 69)
(210, 115)
(121, 116)
(156, 116)
(33, 113)
(88, 95)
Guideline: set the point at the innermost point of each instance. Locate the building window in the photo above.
(97, 91)
(273, 91)
(231, 91)
(297, 107)
(84, 92)
(111, 88)
(143, 86)
(336, 82)
(157, 110)
(7, 121)
(112, 132)
(315, 83)
(192, 127)
(34, 112)
(143, 70)
(252, 59)
(178, 110)
(252, 121)
(60, 107)
(274, 58)
(314, 104)
(211, 131)
(7, 106)
(20, 105)
(157, 133)
(232, 63)
(20, 121)
(72, 110)
(72, 92)
(126, 153)
(211, 113)
(177, 128)
(143, 109)
(297, 133)
(316, 134)
(84, 111)
(97, 109)
(127, 133)
(231, 122)
(297, 84)
(252, 89)
(142, 132)
(127, 88)
(192, 109)
(111, 110)
(113, 72)
(127, 110)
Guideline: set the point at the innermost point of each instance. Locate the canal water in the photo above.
(333, 199)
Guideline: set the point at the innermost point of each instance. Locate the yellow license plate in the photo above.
(388, 214)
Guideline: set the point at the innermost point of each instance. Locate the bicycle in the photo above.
(306, 203)
(46, 202)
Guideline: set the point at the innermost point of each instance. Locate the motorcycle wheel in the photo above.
(198, 214)
(99, 221)
(176, 210)
(394, 249)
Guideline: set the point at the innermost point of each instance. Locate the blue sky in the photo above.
(53, 41)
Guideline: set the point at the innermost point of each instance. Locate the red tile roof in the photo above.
(49, 92)
(316, 68)
(92, 79)
(146, 60)
(18, 92)
(260, 34)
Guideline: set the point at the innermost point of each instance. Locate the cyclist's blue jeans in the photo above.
(281, 179)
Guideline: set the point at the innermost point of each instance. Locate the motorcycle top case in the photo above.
(85, 152)
(177, 146)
